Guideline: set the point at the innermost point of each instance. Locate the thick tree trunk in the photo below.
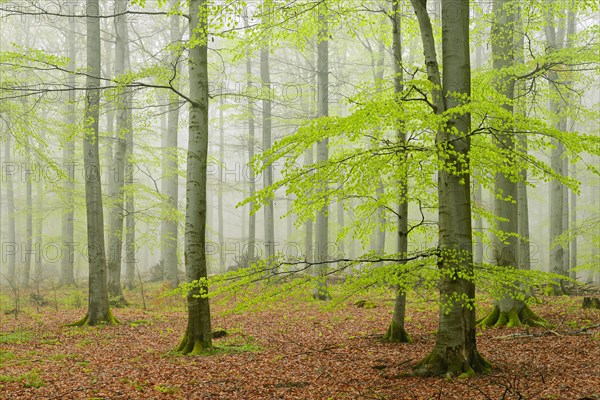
(455, 350)
(265, 76)
(507, 310)
(396, 331)
(197, 337)
(98, 307)
(321, 292)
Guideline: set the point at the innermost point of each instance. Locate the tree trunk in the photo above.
(29, 177)
(455, 350)
(117, 183)
(396, 331)
(98, 307)
(265, 76)
(67, 277)
(197, 336)
(321, 292)
(554, 41)
(309, 251)
(10, 206)
(222, 166)
(170, 170)
(39, 224)
(507, 310)
(130, 245)
(250, 253)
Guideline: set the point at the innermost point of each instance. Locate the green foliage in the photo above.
(15, 337)
(29, 379)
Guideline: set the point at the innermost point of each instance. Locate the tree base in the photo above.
(554, 290)
(512, 318)
(321, 293)
(118, 301)
(397, 334)
(451, 362)
(87, 321)
(193, 346)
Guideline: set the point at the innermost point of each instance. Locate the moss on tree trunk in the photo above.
(93, 319)
(515, 316)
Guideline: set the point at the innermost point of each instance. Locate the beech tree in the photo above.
(197, 335)
(117, 183)
(98, 306)
(170, 165)
(396, 331)
(510, 309)
(455, 350)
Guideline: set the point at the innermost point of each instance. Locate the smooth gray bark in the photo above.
(555, 33)
(455, 350)
(269, 222)
(170, 168)
(250, 253)
(117, 183)
(29, 177)
(67, 276)
(322, 221)
(10, 208)
(98, 307)
(396, 331)
(197, 336)
(222, 167)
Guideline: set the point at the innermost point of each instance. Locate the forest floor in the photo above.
(291, 350)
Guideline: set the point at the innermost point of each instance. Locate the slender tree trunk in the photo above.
(554, 41)
(309, 251)
(222, 166)
(29, 177)
(39, 224)
(197, 336)
(107, 141)
(573, 225)
(250, 253)
(170, 165)
(10, 206)
(67, 277)
(396, 331)
(98, 307)
(322, 221)
(341, 223)
(130, 245)
(117, 183)
(269, 222)
(455, 350)
(477, 191)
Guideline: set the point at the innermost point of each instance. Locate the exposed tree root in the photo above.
(453, 362)
(397, 334)
(511, 318)
(87, 321)
(193, 345)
